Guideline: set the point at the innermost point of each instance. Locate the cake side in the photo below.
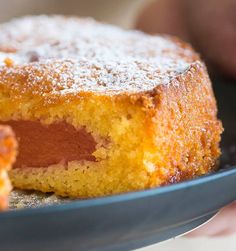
(185, 127)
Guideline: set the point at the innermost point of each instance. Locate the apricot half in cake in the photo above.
(98, 110)
(7, 156)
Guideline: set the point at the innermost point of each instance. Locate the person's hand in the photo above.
(210, 25)
(223, 224)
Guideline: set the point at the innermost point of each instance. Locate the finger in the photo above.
(223, 224)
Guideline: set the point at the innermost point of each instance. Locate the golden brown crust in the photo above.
(188, 111)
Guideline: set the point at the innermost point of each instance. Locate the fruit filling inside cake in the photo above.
(42, 145)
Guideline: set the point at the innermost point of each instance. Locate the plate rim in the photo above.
(101, 201)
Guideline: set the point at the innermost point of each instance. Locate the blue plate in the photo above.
(132, 220)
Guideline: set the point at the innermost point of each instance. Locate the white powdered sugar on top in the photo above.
(76, 55)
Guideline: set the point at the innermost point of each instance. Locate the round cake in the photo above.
(99, 110)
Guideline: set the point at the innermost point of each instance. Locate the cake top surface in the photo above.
(68, 55)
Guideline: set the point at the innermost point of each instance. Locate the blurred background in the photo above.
(120, 12)
(167, 18)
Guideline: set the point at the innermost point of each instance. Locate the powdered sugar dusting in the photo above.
(70, 55)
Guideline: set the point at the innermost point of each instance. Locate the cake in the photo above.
(99, 110)
(7, 157)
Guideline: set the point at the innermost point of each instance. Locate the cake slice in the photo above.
(7, 157)
(99, 110)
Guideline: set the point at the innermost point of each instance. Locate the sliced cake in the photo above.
(98, 110)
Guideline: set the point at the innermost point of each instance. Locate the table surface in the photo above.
(195, 244)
